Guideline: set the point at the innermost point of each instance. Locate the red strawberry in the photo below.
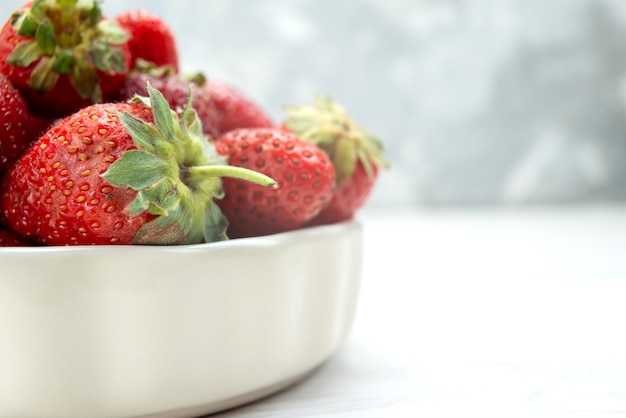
(119, 173)
(176, 89)
(18, 128)
(235, 110)
(150, 38)
(356, 155)
(304, 173)
(9, 238)
(63, 55)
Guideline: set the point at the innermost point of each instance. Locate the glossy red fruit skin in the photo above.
(9, 238)
(151, 38)
(63, 99)
(304, 173)
(175, 89)
(234, 109)
(55, 194)
(18, 127)
(348, 198)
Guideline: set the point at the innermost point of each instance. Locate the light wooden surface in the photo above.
(480, 313)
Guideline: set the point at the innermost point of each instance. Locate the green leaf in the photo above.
(27, 25)
(107, 58)
(144, 134)
(43, 78)
(137, 206)
(190, 123)
(372, 150)
(162, 197)
(137, 170)
(140, 99)
(162, 114)
(46, 39)
(95, 13)
(215, 223)
(344, 160)
(366, 162)
(85, 80)
(16, 18)
(164, 230)
(37, 10)
(64, 4)
(98, 55)
(117, 61)
(112, 32)
(24, 54)
(63, 62)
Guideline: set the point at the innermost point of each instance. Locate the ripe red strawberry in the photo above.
(18, 128)
(304, 174)
(176, 90)
(9, 238)
(356, 155)
(151, 39)
(63, 55)
(235, 110)
(119, 173)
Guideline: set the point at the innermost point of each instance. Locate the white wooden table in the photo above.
(479, 313)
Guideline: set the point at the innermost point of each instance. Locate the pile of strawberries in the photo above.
(105, 141)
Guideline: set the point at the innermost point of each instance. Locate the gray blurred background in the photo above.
(477, 101)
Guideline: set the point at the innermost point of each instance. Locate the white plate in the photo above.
(181, 331)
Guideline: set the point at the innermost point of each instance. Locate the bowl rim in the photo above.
(263, 241)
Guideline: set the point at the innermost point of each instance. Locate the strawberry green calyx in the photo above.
(328, 125)
(70, 38)
(147, 67)
(176, 173)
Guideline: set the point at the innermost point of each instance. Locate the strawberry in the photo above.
(305, 176)
(120, 173)
(235, 110)
(175, 88)
(9, 238)
(356, 155)
(63, 55)
(18, 128)
(151, 39)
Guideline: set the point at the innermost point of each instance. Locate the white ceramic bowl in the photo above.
(181, 331)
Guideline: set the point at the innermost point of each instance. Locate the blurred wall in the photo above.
(476, 101)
